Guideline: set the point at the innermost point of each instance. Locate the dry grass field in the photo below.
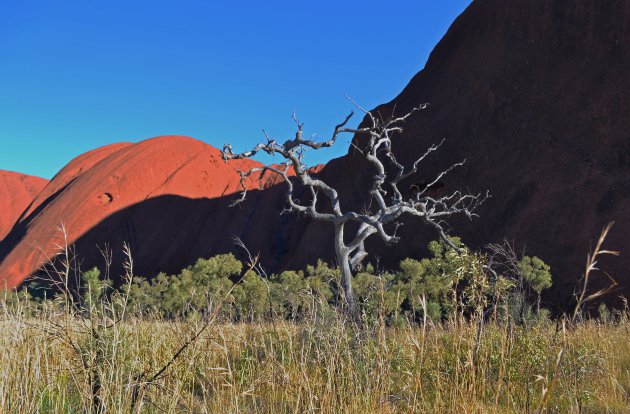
(56, 361)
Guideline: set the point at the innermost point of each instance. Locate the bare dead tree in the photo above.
(389, 204)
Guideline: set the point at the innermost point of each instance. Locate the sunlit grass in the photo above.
(48, 362)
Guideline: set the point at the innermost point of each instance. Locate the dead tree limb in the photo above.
(390, 203)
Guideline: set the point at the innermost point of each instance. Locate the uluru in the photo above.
(322, 207)
(155, 195)
(530, 94)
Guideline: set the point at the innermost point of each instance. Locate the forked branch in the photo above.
(382, 218)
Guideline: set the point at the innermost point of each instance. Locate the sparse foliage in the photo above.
(527, 274)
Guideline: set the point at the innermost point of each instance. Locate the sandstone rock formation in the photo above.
(16, 193)
(532, 94)
(154, 195)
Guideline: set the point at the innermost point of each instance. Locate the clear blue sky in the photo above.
(76, 75)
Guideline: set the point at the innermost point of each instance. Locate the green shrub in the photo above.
(536, 273)
(446, 284)
(376, 294)
(252, 297)
(289, 293)
(195, 290)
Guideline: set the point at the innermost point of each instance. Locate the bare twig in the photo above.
(582, 298)
(385, 219)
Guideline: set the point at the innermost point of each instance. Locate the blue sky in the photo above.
(76, 75)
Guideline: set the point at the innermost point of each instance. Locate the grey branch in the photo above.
(388, 173)
(379, 147)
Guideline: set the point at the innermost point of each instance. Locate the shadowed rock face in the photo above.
(532, 94)
(16, 193)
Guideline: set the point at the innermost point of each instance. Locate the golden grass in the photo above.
(50, 363)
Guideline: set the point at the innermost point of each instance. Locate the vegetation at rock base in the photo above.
(387, 207)
(447, 282)
(440, 334)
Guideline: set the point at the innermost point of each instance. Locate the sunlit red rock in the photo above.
(108, 182)
(17, 191)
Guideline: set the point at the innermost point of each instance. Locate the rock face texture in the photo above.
(534, 96)
(159, 196)
(16, 193)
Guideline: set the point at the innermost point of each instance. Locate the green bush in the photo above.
(447, 283)
(536, 273)
(376, 294)
(252, 298)
(289, 293)
(194, 291)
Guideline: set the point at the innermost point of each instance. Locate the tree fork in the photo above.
(388, 206)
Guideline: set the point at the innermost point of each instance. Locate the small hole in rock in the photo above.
(105, 198)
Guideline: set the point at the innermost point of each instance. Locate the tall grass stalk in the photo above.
(318, 365)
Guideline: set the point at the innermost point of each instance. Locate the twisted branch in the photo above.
(388, 210)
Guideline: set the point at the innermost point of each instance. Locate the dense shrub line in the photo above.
(435, 288)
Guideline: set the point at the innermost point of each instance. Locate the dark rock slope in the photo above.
(534, 95)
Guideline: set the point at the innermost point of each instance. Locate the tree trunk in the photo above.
(343, 261)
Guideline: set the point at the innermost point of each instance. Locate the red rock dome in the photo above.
(17, 191)
(97, 185)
